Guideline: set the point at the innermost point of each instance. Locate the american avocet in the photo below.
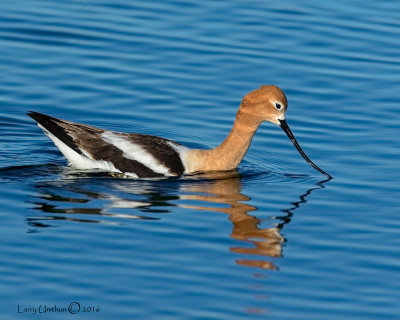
(143, 156)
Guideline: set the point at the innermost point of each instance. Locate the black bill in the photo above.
(285, 127)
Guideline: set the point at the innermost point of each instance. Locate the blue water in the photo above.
(273, 241)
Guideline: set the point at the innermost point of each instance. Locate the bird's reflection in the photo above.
(76, 199)
(246, 227)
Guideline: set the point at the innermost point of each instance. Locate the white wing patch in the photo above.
(77, 160)
(178, 147)
(182, 151)
(135, 152)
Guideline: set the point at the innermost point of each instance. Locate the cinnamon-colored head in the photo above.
(269, 103)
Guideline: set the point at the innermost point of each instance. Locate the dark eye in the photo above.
(278, 105)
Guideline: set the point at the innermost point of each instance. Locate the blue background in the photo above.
(276, 242)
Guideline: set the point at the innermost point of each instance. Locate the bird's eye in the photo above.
(278, 105)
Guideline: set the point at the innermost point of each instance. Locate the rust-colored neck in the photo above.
(231, 151)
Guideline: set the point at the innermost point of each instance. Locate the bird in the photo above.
(147, 156)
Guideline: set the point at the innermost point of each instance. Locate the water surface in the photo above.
(272, 240)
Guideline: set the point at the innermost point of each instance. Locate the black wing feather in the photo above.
(51, 125)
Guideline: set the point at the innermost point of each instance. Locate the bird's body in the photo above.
(146, 156)
(138, 155)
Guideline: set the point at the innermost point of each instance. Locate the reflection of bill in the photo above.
(265, 242)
